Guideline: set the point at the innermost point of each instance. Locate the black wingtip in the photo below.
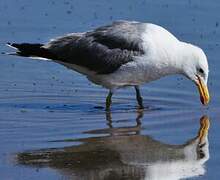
(8, 44)
(31, 50)
(11, 45)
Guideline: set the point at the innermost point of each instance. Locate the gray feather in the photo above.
(103, 50)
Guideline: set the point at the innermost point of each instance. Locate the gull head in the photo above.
(195, 67)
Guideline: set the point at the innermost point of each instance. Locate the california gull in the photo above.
(125, 53)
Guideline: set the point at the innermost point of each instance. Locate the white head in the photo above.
(195, 67)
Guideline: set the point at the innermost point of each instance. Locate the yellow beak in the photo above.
(204, 128)
(203, 91)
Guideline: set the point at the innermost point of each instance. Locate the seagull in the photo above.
(124, 53)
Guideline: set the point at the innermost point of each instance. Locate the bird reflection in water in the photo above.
(125, 154)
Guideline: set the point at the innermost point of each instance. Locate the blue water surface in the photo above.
(52, 121)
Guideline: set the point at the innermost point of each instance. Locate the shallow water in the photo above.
(53, 125)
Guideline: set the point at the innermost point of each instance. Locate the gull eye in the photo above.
(201, 70)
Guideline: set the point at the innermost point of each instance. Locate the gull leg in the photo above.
(140, 114)
(109, 119)
(138, 97)
(108, 101)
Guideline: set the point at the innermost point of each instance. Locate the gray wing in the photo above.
(103, 50)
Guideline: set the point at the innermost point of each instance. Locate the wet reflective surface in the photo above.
(52, 121)
(123, 153)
